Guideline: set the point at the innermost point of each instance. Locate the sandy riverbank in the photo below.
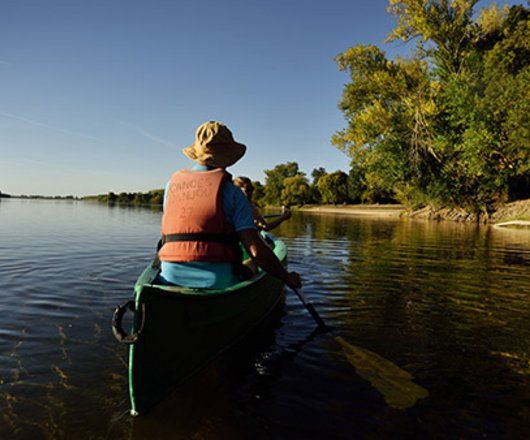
(511, 212)
(515, 214)
(387, 211)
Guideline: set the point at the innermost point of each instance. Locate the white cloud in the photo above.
(50, 127)
(149, 135)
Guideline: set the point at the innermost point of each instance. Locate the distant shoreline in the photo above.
(38, 197)
(511, 215)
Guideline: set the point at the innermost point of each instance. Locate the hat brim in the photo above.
(224, 158)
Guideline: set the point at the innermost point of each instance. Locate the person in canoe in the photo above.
(248, 189)
(206, 217)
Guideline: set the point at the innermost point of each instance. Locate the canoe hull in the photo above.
(183, 331)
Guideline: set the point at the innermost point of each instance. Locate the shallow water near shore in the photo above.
(447, 302)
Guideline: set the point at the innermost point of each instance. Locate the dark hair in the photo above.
(242, 182)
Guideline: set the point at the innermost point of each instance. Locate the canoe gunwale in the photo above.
(150, 274)
(206, 293)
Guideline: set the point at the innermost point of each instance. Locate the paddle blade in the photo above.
(392, 382)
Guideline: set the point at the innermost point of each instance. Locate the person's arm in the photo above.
(265, 258)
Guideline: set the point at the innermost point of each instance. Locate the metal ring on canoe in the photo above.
(117, 318)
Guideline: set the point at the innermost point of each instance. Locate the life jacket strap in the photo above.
(238, 268)
(206, 237)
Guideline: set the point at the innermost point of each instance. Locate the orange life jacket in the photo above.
(194, 227)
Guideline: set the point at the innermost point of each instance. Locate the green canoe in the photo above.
(176, 331)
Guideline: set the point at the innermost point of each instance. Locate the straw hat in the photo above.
(215, 146)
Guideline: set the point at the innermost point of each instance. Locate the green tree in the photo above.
(449, 125)
(140, 199)
(390, 110)
(295, 191)
(274, 181)
(445, 30)
(111, 198)
(316, 174)
(506, 99)
(123, 198)
(356, 185)
(334, 187)
(483, 136)
(259, 193)
(156, 197)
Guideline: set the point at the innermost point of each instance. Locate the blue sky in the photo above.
(103, 95)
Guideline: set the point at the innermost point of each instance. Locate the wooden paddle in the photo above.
(275, 215)
(395, 384)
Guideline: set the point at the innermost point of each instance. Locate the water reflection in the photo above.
(447, 302)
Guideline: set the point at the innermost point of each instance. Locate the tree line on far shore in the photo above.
(153, 197)
(37, 196)
(284, 185)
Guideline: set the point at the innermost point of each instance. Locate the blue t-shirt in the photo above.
(200, 275)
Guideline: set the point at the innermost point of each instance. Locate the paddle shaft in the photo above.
(310, 308)
(272, 215)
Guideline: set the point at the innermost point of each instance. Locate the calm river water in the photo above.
(447, 302)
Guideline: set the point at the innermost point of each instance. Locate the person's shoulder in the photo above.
(232, 190)
(235, 202)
